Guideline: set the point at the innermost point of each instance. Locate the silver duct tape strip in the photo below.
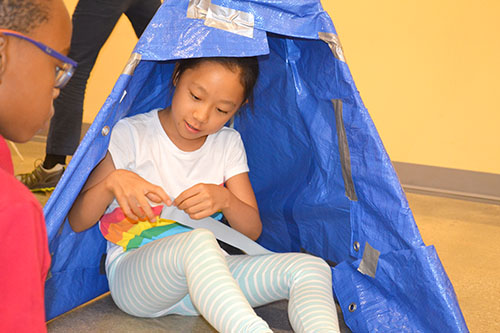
(333, 42)
(345, 155)
(197, 9)
(223, 18)
(220, 230)
(231, 20)
(133, 61)
(369, 263)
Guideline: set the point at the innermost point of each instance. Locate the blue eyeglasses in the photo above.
(63, 72)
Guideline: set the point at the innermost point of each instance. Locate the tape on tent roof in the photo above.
(224, 18)
(204, 28)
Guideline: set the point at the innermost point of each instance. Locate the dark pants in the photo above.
(93, 21)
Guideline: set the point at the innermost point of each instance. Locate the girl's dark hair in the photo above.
(249, 67)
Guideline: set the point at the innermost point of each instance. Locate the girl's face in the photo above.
(205, 98)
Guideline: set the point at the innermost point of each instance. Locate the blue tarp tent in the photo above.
(323, 180)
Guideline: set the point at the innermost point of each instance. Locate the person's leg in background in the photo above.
(140, 12)
(93, 22)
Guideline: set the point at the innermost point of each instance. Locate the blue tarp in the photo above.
(322, 178)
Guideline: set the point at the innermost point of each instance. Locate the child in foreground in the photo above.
(157, 267)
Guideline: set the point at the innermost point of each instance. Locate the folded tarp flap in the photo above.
(323, 180)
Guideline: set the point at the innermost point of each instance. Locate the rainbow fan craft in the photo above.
(130, 234)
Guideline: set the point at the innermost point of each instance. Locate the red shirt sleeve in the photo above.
(24, 256)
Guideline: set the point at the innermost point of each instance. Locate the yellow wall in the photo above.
(428, 72)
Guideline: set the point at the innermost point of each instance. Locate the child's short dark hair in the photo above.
(23, 15)
(249, 67)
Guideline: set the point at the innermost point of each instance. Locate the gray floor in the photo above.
(466, 236)
(102, 315)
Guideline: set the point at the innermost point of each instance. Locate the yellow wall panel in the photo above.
(428, 72)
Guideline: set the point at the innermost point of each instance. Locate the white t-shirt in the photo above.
(140, 144)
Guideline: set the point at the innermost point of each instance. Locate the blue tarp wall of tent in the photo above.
(322, 178)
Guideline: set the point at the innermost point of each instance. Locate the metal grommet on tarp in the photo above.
(356, 246)
(352, 307)
(105, 130)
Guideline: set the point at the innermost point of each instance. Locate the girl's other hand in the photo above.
(132, 193)
(203, 200)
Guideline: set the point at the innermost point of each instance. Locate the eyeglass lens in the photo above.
(63, 74)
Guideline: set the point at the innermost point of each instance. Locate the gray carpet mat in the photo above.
(102, 315)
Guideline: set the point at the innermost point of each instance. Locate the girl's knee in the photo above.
(202, 234)
(306, 264)
(320, 263)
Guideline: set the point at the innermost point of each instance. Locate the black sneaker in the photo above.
(42, 179)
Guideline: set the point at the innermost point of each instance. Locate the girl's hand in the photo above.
(203, 200)
(132, 193)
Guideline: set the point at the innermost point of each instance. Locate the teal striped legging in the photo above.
(188, 274)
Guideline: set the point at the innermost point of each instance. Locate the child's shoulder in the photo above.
(227, 134)
(138, 121)
(227, 131)
(141, 117)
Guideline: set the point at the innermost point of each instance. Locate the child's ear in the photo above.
(175, 75)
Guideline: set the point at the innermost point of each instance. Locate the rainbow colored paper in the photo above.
(130, 234)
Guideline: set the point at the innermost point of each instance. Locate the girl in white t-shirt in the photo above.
(157, 267)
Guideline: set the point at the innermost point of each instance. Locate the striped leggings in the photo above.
(188, 274)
